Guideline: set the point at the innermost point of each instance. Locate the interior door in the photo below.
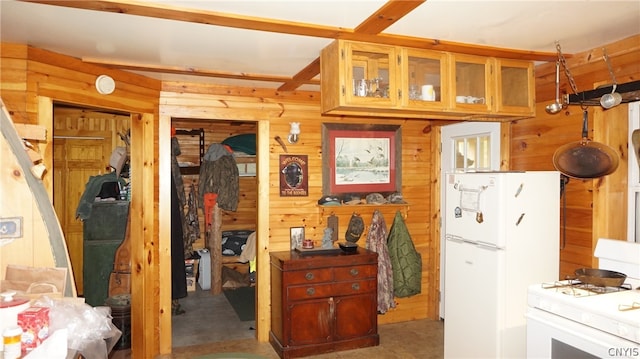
(76, 158)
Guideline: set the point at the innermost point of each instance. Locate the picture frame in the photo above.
(296, 235)
(361, 158)
(294, 176)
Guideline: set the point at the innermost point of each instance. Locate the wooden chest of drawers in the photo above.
(323, 303)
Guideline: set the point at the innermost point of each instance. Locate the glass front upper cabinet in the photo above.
(472, 85)
(515, 92)
(423, 79)
(370, 74)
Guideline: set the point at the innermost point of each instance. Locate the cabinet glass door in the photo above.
(423, 79)
(472, 83)
(515, 86)
(369, 74)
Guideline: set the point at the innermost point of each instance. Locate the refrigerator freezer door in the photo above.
(472, 298)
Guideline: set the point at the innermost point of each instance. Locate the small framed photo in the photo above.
(297, 236)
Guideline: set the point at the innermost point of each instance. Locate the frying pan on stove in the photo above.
(600, 277)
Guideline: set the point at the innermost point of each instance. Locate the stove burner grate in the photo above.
(576, 288)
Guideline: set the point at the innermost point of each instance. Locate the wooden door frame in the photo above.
(144, 276)
(263, 318)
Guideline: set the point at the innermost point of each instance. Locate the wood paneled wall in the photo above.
(32, 80)
(588, 211)
(279, 109)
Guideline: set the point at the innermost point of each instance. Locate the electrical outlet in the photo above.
(11, 227)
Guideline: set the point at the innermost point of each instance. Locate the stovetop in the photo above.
(613, 310)
(576, 288)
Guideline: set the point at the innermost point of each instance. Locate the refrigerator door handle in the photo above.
(488, 245)
(455, 238)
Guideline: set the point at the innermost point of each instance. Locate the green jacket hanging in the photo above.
(405, 260)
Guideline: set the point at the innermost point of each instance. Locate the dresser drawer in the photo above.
(308, 276)
(355, 272)
(311, 291)
(356, 287)
(330, 289)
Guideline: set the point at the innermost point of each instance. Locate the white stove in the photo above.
(567, 319)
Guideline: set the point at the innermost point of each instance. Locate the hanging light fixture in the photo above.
(612, 99)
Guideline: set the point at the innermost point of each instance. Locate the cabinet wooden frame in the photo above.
(408, 74)
(378, 59)
(384, 158)
(496, 89)
(471, 78)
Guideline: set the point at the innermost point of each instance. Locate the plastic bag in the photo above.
(91, 331)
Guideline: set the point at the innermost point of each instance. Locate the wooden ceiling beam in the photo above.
(192, 71)
(387, 15)
(380, 20)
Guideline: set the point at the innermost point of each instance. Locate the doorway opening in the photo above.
(223, 308)
(83, 141)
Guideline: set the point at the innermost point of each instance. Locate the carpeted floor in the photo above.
(417, 339)
(243, 301)
(208, 319)
(230, 356)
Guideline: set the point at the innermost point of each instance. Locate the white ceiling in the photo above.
(578, 25)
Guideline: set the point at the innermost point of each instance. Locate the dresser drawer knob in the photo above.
(354, 272)
(311, 291)
(308, 276)
(355, 286)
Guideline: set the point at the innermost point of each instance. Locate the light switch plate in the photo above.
(11, 227)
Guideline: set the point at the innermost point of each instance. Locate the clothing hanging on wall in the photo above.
(178, 272)
(175, 170)
(406, 261)
(219, 174)
(192, 221)
(377, 242)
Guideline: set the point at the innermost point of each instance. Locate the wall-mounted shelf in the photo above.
(362, 209)
(193, 170)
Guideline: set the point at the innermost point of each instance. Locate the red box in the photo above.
(34, 322)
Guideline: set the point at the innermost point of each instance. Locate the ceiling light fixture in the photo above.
(105, 85)
(612, 99)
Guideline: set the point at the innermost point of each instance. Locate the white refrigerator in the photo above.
(501, 235)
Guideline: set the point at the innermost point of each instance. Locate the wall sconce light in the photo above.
(294, 132)
(105, 85)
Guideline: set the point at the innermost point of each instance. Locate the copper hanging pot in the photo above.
(585, 159)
